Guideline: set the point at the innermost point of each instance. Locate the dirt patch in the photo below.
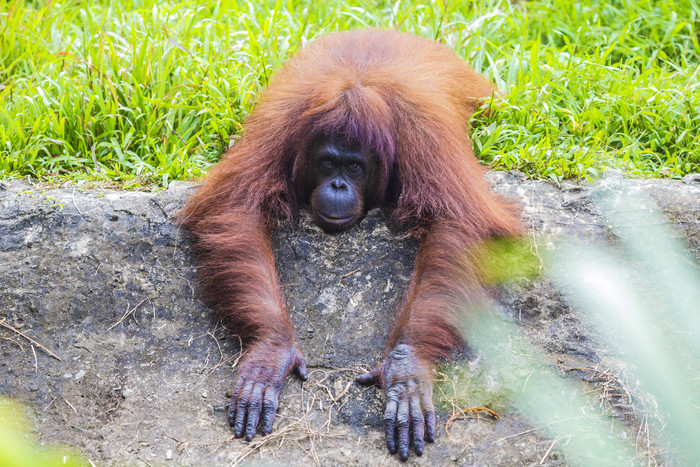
(105, 281)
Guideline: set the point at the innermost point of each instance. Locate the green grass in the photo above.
(145, 92)
(18, 449)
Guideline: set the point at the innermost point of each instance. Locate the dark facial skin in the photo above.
(341, 178)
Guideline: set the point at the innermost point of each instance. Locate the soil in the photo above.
(105, 341)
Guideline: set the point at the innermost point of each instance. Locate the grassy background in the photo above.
(145, 92)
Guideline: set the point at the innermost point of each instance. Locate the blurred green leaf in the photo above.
(16, 449)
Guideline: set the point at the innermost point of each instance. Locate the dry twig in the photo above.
(4, 324)
(466, 412)
(127, 313)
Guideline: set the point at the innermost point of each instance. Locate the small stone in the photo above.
(169, 455)
(204, 394)
(127, 392)
(79, 374)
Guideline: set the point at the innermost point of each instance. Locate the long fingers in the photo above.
(403, 425)
(269, 410)
(408, 418)
(429, 410)
(255, 403)
(252, 403)
(417, 424)
(241, 402)
(234, 401)
(392, 405)
(260, 378)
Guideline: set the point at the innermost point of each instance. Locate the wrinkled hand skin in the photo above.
(261, 374)
(408, 387)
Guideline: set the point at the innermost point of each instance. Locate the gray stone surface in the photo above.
(105, 281)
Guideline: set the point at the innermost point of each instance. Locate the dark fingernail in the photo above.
(250, 434)
(403, 451)
(232, 413)
(430, 434)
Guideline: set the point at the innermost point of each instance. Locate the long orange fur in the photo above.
(406, 101)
